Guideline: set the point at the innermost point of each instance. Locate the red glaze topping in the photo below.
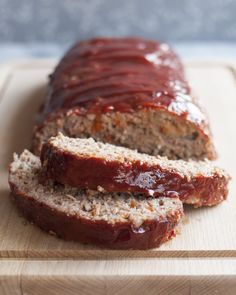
(118, 236)
(133, 177)
(124, 75)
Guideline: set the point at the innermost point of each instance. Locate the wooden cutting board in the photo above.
(200, 260)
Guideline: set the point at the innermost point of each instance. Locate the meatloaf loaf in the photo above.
(126, 91)
(114, 220)
(85, 163)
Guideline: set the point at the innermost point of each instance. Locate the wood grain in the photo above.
(118, 277)
(35, 262)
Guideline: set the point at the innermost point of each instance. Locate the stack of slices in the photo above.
(99, 193)
(134, 146)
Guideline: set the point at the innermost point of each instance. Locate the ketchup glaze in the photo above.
(121, 75)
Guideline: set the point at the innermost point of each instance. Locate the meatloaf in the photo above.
(129, 92)
(85, 163)
(115, 220)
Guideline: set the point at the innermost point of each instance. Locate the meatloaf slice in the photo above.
(87, 163)
(129, 92)
(115, 220)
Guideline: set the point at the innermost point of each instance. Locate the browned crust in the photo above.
(91, 172)
(118, 236)
(207, 191)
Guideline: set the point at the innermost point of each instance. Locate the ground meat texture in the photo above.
(129, 92)
(95, 165)
(112, 220)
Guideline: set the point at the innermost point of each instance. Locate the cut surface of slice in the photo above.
(114, 220)
(126, 91)
(95, 165)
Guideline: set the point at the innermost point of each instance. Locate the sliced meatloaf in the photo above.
(87, 163)
(115, 220)
(129, 92)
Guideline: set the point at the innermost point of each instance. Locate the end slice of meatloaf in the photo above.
(126, 91)
(114, 220)
(90, 164)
